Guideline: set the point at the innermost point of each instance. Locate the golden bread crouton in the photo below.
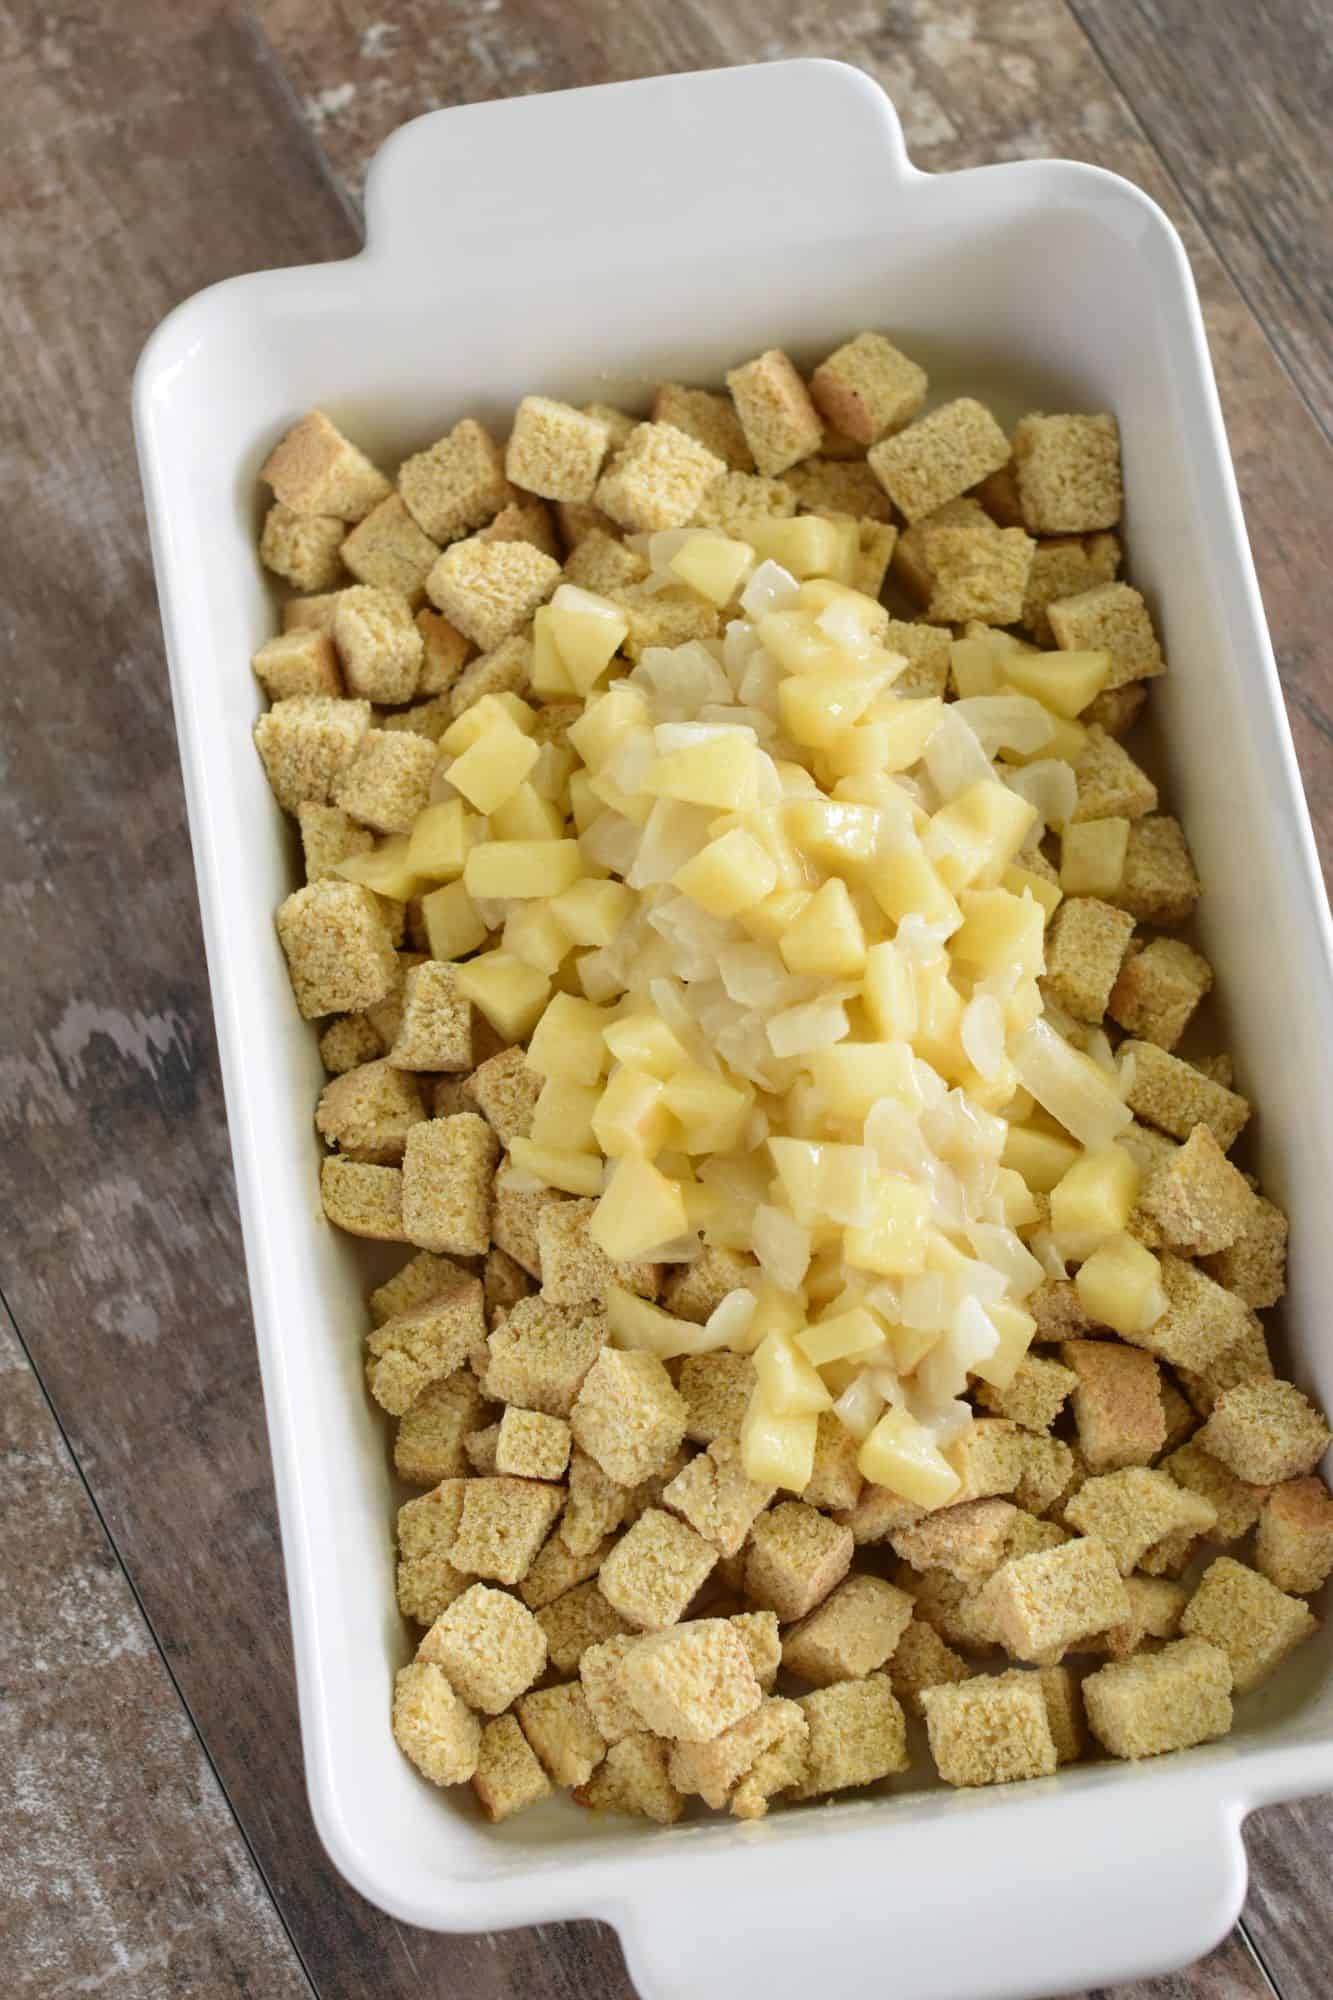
(1131, 1511)
(509, 1775)
(989, 1730)
(763, 1642)
(1112, 786)
(505, 1091)
(305, 742)
(505, 669)
(781, 424)
(1266, 1432)
(602, 564)
(438, 1732)
(657, 479)
(1059, 1311)
(836, 1479)
(977, 573)
(1064, 1709)
(1237, 1502)
(831, 486)
(858, 1733)
(1294, 1545)
(435, 1032)
(709, 418)
(951, 1607)
(1158, 989)
(457, 484)
(489, 590)
(1110, 618)
(298, 662)
(576, 1621)
(303, 549)
(669, 617)
(575, 1270)
(1181, 1420)
(795, 1557)
(427, 1580)
(389, 551)
(311, 613)
(1254, 1265)
(715, 1496)
(447, 1167)
(628, 1415)
(633, 1778)
(1040, 1605)
(988, 1459)
(503, 1524)
(368, 1113)
(1036, 1395)
(347, 1042)
(339, 955)
(714, 1768)
(479, 1449)
(444, 650)
(938, 457)
(422, 1278)
(736, 497)
(1116, 710)
(601, 1676)
(428, 1444)
(1156, 1606)
(489, 1645)
(619, 423)
(1048, 1472)
(555, 450)
(1160, 1701)
(387, 782)
(969, 1540)
(363, 1199)
(596, 1506)
(851, 1634)
(1066, 567)
(1068, 473)
(655, 1569)
(1117, 1404)
(541, 1355)
(927, 651)
(692, 1681)
(911, 562)
(694, 1291)
(868, 387)
(1158, 884)
(1085, 946)
(556, 1569)
(1196, 1202)
(1171, 1094)
(922, 1660)
(328, 836)
(877, 1514)
(558, 1723)
(532, 1445)
(524, 519)
(1244, 1359)
(378, 644)
(1201, 1322)
(314, 469)
(414, 1349)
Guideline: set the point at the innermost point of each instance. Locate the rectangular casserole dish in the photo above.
(588, 245)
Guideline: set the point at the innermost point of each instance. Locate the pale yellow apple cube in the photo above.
(563, 1114)
(586, 630)
(773, 918)
(558, 1166)
(805, 545)
(631, 1116)
(1120, 1286)
(640, 1210)
(719, 771)
(1067, 740)
(712, 564)
(1042, 1158)
(907, 726)
(548, 673)
(533, 933)
(593, 912)
(1092, 857)
(906, 883)
(900, 1453)
(973, 667)
(849, 1334)
(827, 938)
(438, 843)
(851, 1077)
(606, 720)
(1063, 682)
(644, 1041)
(817, 708)
(1094, 1200)
(789, 1383)
(888, 993)
(584, 804)
(711, 1112)
(837, 833)
(893, 1243)
(569, 1040)
(850, 607)
(798, 643)
(387, 869)
(1016, 1329)
(453, 922)
(525, 815)
(1019, 881)
(510, 994)
(777, 1450)
(501, 869)
(729, 875)
(999, 933)
(492, 711)
(939, 1021)
(776, 1311)
(494, 768)
(977, 834)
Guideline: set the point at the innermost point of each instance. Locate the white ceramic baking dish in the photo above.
(590, 244)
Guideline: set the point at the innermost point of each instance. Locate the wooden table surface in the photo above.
(157, 1841)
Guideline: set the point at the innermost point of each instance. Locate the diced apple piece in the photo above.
(805, 545)
(1019, 881)
(558, 1166)
(593, 912)
(711, 1112)
(729, 875)
(562, 1116)
(453, 922)
(533, 933)
(607, 718)
(1064, 682)
(855, 1332)
(851, 1077)
(644, 1041)
(505, 868)
(827, 938)
(713, 564)
(837, 833)
(908, 725)
(1120, 1286)
(631, 1117)
(816, 708)
(777, 1450)
(773, 918)
(584, 804)
(387, 869)
(510, 994)
(900, 1453)
(788, 1380)
(999, 933)
(586, 629)
(888, 992)
(850, 607)
(976, 835)
(525, 815)
(973, 668)
(640, 1325)
(492, 711)
(1043, 1158)
(1094, 1200)
(776, 1311)
(639, 1210)
(719, 771)
(1067, 740)
(1016, 1329)
(1092, 857)
(893, 1242)
(905, 883)
(438, 843)
(569, 1040)
(494, 768)
(549, 675)
(939, 1020)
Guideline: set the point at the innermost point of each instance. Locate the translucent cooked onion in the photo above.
(771, 588)
(679, 680)
(923, 943)
(1050, 786)
(612, 841)
(996, 1244)
(954, 757)
(672, 736)
(1006, 722)
(672, 834)
(729, 1321)
(1070, 1087)
(946, 1422)
(843, 624)
(754, 975)
(860, 1406)
(815, 1024)
(694, 935)
(781, 1245)
(893, 1133)
(982, 1033)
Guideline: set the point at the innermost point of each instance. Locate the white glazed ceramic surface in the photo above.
(590, 244)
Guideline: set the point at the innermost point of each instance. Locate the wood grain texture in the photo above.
(1239, 114)
(161, 148)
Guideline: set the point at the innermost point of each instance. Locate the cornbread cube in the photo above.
(953, 1608)
(525, 519)
(831, 486)
(503, 1524)
(877, 1515)
(299, 662)
(1253, 1622)
(388, 551)
(628, 1415)
(1068, 473)
(1040, 1605)
(348, 1042)
(328, 836)
(998, 494)
(655, 1569)
(1085, 945)
(556, 1569)
(1160, 1701)
(447, 1165)
(1181, 1421)
(1131, 1511)
(602, 564)
(1159, 884)
(303, 549)
(555, 450)
(444, 650)
(1111, 786)
(489, 1645)
(1116, 710)
(858, 1733)
(737, 497)
(927, 651)
(694, 1291)
(595, 1507)
(911, 564)
(763, 1642)
(1117, 1404)
(509, 1775)
(575, 521)
(436, 1730)
(1110, 618)
(692, 1681)
(716, 1767)
(835, 1477)
(978, 573)
(664, 618)
(310, 613)
(559, 1726)
(446, 1095)
(969, 1541)
(1036, 1395)
(1174, 1096)
(657, 479)
(1158, 990)
(1048, 1472)
(362, 1199)
(795, 1557)
(428, 1446)
(368, 1113)
(939, 456)
(575, 1270)
(387, 782)
(576, 1621)
(479, 1449)
(989, 1730)
(490, 590)
(505, 1092)
(618, 423)
(1209, 1337)
(1266, 1432)
(920, 1661)
(776, 1768)
(714, 1495)
(601, 1676)
(867, 388)
(1059, 1311)
(541, 1355)
(1237, 1503)
(414, 1349)
(1156, 1606)
(1294, 1545)
(314, 469)
(633, 1778)
(988, 1459)
(339, 955)
(378, 644)
(1196, 1202)
(386, 1015)
(1254, 1265)
(506, 669)
(1066, 567)
(851, 1634)
(780, 422)
(428, 1582)
(457, 484)
(419, 1280)
(1172, 1556)
(707, 417)
(1029, 1535)
(436, 1027)
(532, 1445)
(306, 741)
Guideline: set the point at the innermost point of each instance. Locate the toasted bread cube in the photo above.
(715, 1389)
(628, 1415)
(738, 497)
(1116, 710)
(1253, 1622)
(694, 1291)
(716, 1768)
(780, 422)
(575, 1270)
(306, 741)
(509, 1775)
(444, 650)
(1196, 1202)
(1158, 989)
(532, 1445)
(299, 662)
(977, 573)
(428, 1445)
(348, 1042)
(489, 1645)
(835, 1478)
(505, 669)
(447, 1166)
(664, 618)
(368, 1113)
(911, 565)
(618, 422)
(1110, 618)
(1059, 1312)
(951, 1607)
(1035, 1396)
(1068, 473)
(389, 551)
(541, 1355)
(363, 1199)
(921, 1660)
(1156, 1606)
(1254, 1265)
(1048, 1469)
(1085, 945)
(1159, 884)
(558, 1724)
(1266, 1432)
(479, 1449)
(314, 469)
(303, 549)
(503, 1524)
(556, 1569)
(555, 450)
(692, 1681)
(1201, 1322)
(1130, 1512)
(1160, 1701)
(707, 417)
(988, 1459)
(969, 1541)
(1294, 1545)
(328, 836)
(989, 1730)
(939, 456)
(633, 1778)
(428, 1582)
(505, 1091)
(433, 1727)
(418, 1281)
(339, 954)
(524, 519)
(795, 1557)
(387, 783)
(602, 564)
(490, 590)
(655, 1569)
(927, 650)
(576, 1622)
(1066, 568)
(1237, 1503)
(1181, 1420)
(851, 1634)
(436, 1027)
(595, 1507)
(1111, 786)
(858, 1733)
(1117, 1404)
(458, 484)
(514, 1216)
(832, 487)
(867, 388)
(1040, 1605)
(315, 614)
(379, 646)
(657, 479)
(1174, 1096)
(413, 1349)
(714, 1495)
(601, 1676)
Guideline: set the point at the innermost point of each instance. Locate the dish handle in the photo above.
(1089, 1892)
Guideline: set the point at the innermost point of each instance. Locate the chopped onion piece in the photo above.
(781, 1245)
(923, 943)
(886, 1298)
(679, 680)
(612, 841)
(843, 624)
(954, 757)
(771, 588)
(859, 1406)
(927, 1302)
(1043, 1247)
(815, 1024)
(1070, 1087)
(999, 1246)
(729, 1321)
(671, 736)
(1097, 1046)
(1050, 786)
(946, 1422)
(982, 1035)
(673, 834)
(1006, 722)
